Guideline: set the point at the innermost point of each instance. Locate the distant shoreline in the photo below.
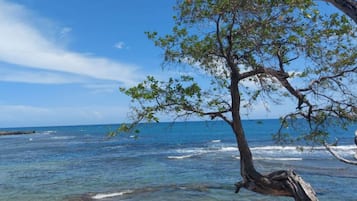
(2, 133)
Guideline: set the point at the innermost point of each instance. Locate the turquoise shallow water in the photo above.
(182, 161)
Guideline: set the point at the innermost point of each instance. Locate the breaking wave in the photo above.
(284, 153)
(181, 157)
(101, 196)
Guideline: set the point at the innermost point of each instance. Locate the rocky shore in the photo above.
(16, 132)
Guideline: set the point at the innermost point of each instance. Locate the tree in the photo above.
(253, 51)
(349, 7)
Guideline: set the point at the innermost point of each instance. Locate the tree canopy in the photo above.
(349, 7)
(285, 48)
(254, 51)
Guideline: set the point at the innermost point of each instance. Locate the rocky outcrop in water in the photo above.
(16, 132)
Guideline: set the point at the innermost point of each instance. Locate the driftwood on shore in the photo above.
(16, 132)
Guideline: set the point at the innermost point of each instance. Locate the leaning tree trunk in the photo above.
(349, 7)
(279, 183)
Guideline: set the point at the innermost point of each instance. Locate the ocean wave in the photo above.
(272, 148)
(317, 148)
(277, 159)
(342, 149)
(194, 150)
(139, 191)
(181, 157)
(267, 152)
(274, 158)
(63, 137)
(101, 196)
(228, 149)
(48, 132)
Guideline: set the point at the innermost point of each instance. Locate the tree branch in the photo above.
(282, 77)
(321, 79)
(219, 37)
(252, 73)
(349, 7)
(340, 158)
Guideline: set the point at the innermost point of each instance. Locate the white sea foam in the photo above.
(292, 148)
(48, 132)
(278, 159)
(227, 149)
(275, 158)
(267, 152)
(194, 151)
(206, 150)
(63, 137)
(271, 148)
(181, 157)
(216, 141)
(343, 149)
(101, 196)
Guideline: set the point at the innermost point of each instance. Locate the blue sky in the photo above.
(62, 62)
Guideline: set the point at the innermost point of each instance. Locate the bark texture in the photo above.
(279, 183)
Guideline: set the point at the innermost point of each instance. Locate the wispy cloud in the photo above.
(119, 45)
(38, 76)
(102, 87)
(23, 43)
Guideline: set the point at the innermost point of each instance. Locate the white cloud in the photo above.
(24, 44)
(103, 87)
(39, 77)
(119, 45)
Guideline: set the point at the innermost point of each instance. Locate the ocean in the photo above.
(184, 161)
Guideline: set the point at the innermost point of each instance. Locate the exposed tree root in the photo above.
(279, 183)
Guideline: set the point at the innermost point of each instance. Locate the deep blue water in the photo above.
(190, 161)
